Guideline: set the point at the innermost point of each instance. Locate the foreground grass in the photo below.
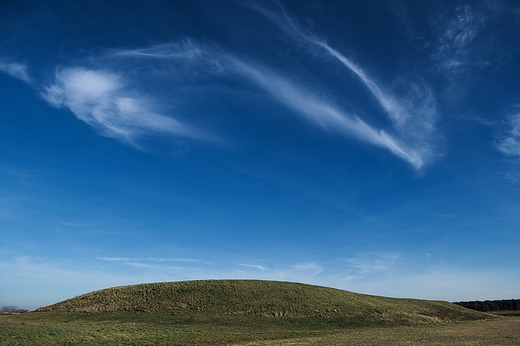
(158, 328)
(497, 332)
(118, 328)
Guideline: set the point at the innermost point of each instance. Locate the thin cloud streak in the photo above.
(302, 101)
(151, 259)
(289, 27)
(413, 117)
(394, 110)
(254, 266)
(510, 144)
(372, 263)
(324, 114)
(16, 70)
(186, 59)
(513, 177)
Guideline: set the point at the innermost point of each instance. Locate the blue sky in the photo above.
(372, 146)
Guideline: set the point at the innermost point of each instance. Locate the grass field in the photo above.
(228, 312)
(165, 329)
(498, 332)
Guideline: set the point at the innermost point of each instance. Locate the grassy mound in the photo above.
(279, 300)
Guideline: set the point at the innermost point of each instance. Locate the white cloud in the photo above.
(16, 70)
(458, 33)
(325, 114)
(311, 267)
(510, 143)
(102, 100)
(201, 60)
(108, 96)
(513, 177)
(413, 116)
(510, 146)
(186, 55)
(147, 259)
(372, 263)
(255, 266)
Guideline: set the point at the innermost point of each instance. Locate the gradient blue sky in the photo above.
(372, 146)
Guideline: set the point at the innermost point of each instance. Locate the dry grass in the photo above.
(59, 328)
(496, 332)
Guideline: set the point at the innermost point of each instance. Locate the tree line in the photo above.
(492, 305)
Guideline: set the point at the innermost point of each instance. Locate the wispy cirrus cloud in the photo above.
(104, 101)
(366, 264)
(185, 57)
(16, 70)
(147, 259)
(203, 60)
(254, 266)
(111, 91)
(106, 93)
(509, 144)
(324, 113)
(413, 116)
(513, 177)
(458, 32)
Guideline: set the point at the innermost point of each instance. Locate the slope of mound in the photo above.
(265, 298)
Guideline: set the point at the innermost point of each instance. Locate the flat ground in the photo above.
(504, 331)
(506, 313)
(164, 329)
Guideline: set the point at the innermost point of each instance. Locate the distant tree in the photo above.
(9, 309)
(492, 305)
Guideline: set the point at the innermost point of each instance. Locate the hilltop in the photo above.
(279, 300)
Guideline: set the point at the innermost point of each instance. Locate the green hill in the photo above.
(278, 300)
